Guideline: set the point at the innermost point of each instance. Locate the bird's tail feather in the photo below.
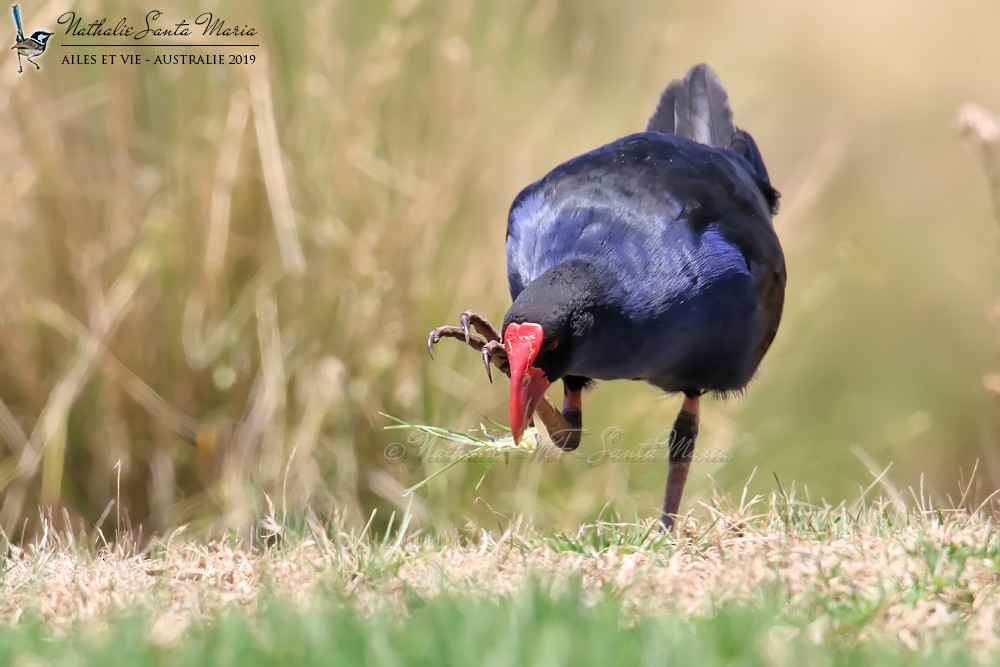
(697, 107)
(17, 21)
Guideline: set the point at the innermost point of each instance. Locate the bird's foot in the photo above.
(487, 343)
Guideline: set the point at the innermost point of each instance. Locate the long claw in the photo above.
(477, 321)
(495, 354)
(486, 362)
(465, 326)
(430, 345)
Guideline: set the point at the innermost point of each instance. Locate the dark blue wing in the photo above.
(639, 196)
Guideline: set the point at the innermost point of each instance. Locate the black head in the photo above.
(563, 301)
(41, 36)
(547, 321)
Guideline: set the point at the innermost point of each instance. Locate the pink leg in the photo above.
(681, 451)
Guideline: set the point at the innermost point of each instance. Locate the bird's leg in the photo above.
(571, 425)
(20, 67)
(37, 67)
(564, 433)
(681, 452)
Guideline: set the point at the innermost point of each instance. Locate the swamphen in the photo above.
(651, 258)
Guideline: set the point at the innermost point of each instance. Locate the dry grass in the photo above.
(839, 574)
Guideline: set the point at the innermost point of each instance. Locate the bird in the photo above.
(29, 47)
(651, 258)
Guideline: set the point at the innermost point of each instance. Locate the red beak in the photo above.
(527, 383)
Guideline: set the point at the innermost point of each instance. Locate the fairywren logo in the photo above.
(28, 47)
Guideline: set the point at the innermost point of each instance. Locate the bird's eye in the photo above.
(551, 346)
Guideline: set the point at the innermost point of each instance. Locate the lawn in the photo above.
(217, 282)
(770, 581)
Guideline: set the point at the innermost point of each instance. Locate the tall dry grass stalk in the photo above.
(215, 277)
(981, 130)
(212, 280)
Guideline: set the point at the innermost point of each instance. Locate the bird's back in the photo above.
(677, 221)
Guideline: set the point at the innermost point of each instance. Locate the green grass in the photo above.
(535, 627)
(215, 282)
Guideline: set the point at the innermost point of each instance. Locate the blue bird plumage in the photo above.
(17, 22)
(679, 236)
(28, 47)
(650, 258)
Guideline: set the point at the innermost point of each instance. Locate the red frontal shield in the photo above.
(527, 383)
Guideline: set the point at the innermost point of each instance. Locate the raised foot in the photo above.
(487, 343)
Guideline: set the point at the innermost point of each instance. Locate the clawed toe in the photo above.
(495, 354)
(471, 318)
(487, 343)
(458, 333)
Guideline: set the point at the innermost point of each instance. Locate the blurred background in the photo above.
(214, 279)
